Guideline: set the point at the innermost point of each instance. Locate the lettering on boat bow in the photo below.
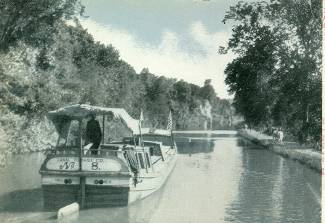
(88, 164)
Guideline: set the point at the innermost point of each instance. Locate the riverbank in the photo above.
(20, 135)
(303, 154)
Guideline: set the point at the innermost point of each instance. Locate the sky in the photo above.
(173, 38)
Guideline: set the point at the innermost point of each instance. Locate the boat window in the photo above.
(141, 160)
(70, 136)
(147, 159)
(155, 150)
(115, 130)
(73, 136)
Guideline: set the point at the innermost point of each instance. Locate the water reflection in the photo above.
(244, 143)
(274, 189)
(188, 145)
(22, 201)
(201, 186)
(138, 212)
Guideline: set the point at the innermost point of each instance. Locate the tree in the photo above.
(182, 92)
(33, 21)
(276, 77)
(207, 91)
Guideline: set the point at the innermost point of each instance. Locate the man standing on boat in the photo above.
(93, 133)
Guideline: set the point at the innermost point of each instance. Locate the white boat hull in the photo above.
(152, 182)
(101, 191)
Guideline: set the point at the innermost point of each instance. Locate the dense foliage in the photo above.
(32, 21)
(276, 78)
(46, 63)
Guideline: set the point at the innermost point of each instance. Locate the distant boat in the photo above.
(122, 172)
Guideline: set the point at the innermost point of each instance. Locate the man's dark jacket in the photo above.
(93, 131)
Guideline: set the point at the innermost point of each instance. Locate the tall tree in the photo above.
(276, 78)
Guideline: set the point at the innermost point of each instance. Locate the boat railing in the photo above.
(62, 151)
(104, 150)
(101, 152)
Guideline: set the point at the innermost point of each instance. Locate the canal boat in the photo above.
(118, 173)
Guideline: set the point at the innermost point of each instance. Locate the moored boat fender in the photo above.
(68, 210)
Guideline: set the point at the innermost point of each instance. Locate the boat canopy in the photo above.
(64, 115)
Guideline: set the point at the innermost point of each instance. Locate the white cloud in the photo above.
(168, 58)
(209, 41)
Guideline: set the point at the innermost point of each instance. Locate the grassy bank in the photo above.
(303, 154)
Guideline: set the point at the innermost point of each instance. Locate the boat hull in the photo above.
(106, 196)
(101, 189)
(57, 196)
(150, 184)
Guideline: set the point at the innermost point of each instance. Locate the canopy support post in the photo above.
(82, 178)
(103, 138)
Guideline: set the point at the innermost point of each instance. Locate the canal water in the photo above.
(219, 177)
